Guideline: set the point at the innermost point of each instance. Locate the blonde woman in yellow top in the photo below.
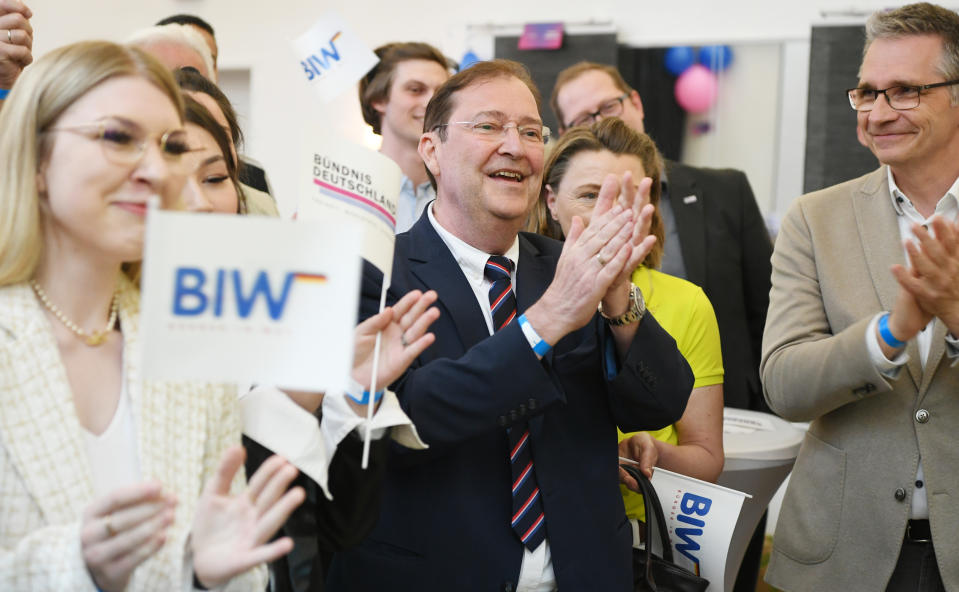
(605, 157)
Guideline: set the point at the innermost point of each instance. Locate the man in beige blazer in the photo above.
(873, 502)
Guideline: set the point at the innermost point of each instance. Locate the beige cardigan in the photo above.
(45, 477)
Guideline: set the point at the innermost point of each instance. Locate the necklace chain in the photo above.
(92, 339)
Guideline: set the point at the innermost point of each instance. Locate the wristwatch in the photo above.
(636, 310)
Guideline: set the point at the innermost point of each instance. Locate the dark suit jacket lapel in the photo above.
(433, 264)
(878, 228)
(534, 273)
(690, 221)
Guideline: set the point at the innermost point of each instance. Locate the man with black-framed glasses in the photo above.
(861, 335)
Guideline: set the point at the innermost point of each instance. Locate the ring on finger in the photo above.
(9, 36)
(602, 262)
(108, 524)
(403, 339)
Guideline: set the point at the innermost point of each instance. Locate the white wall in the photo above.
(254, 35)
(743, 123)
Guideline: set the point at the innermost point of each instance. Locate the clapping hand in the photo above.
(932, 280)
(625, 192)
(231, 532)
(597, 261)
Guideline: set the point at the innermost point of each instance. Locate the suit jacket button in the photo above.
(922, 416)
(522, 409)
(502, 421)
(531, 404)
(900, 494)
(513, 415)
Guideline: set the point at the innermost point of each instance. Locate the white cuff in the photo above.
(888, 368)
(274, 420)
(339, 419)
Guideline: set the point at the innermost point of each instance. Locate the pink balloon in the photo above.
(696, 89)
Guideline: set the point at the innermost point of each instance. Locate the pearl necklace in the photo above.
(92, 339)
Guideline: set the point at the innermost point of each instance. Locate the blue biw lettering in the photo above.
(244, 303)
(690, 505)
(188, 296)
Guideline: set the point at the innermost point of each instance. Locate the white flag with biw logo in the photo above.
(249, 299)
(700, 518)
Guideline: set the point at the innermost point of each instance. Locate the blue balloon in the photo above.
(716, 57)
(679, 58)
(469, 58)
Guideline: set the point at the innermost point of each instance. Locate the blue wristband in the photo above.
(366, 397)
(3, 93)
(535, 341)
(887, 335)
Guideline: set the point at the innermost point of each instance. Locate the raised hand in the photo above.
(933, 277)
(591, 260)
(404, 337)
(122, 529)
(624, 191)
(231, 532)
(16, 41)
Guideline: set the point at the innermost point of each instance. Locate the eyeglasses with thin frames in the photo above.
(124, 143)
(900, 98)
(611, 108)
(532, 133)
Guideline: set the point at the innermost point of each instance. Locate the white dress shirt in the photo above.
(411, 203)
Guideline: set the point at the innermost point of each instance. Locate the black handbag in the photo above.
(652, 573)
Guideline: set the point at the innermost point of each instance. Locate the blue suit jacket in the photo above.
(444, 522)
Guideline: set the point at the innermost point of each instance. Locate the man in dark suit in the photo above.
(518, 490)
(715, 234)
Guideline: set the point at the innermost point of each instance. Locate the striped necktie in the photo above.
(528, 520)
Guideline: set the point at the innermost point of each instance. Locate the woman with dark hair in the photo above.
(253, 199)
(575, 173)
(211, 184)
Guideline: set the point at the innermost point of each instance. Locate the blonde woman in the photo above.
(107, 482)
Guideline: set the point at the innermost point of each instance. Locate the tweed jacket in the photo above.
(45, 475)
(845, 511)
